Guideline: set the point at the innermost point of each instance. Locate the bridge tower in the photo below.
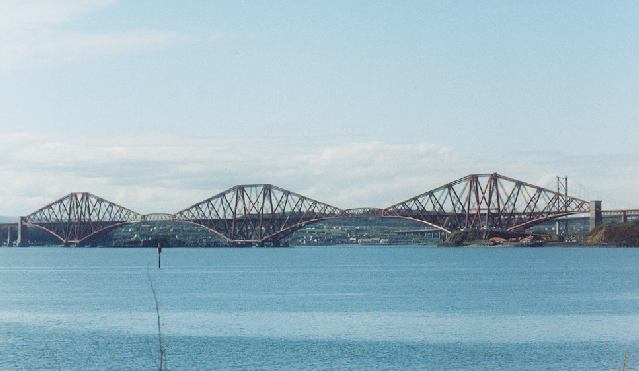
(596, 217)
(562, 188)
(20, 239)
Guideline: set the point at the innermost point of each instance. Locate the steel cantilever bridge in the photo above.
(78, 217)
(266, 214)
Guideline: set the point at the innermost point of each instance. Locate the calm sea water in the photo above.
(320, 308)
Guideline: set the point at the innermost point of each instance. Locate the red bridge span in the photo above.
(259, 214)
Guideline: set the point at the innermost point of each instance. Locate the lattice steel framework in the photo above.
(264, 213)
(256, 213)
(487, 201)
(78, 217)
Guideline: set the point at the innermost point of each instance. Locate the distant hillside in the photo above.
(615, 234)
(8, 219)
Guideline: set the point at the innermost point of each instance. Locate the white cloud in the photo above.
(32, 34)
(29, 15)
(73, 46)
(166, 174)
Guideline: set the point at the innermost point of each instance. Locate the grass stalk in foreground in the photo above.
(161, 347)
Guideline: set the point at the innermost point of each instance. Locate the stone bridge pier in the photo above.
(595, 214)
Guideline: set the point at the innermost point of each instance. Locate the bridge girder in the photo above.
(264, 213)
(488, 201)
(256, 213)
(80, 216)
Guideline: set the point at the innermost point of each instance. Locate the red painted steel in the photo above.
(256, 213)
(79, 216)
(264, 213)
(488, 201)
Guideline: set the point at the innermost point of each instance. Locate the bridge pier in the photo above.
(595, 214)
(624, 216)
(20, 239)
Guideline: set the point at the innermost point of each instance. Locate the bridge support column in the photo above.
(624, 217)
(20, 240)
(595, 214)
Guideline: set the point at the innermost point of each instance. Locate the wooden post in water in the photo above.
(159, 254)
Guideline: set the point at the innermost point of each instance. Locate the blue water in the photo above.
(320, 308)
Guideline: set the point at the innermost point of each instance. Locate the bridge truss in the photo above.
(267, 214)
(77, 217)
(487, 201)
(257, 213)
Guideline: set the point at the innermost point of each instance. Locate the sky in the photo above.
(159, 104)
